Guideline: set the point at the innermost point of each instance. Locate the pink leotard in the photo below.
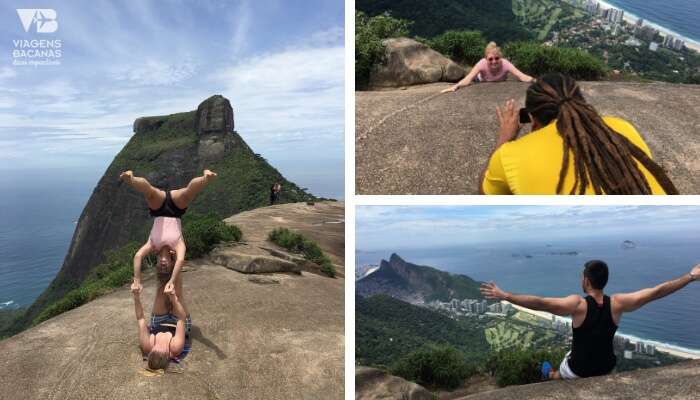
(166, 231)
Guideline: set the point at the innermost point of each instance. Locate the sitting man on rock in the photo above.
(594, 319)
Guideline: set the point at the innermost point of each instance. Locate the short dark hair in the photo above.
(597, 273)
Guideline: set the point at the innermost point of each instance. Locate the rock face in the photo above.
(676, 382)
(267, 337)
(168, 151)
(417, 141)
(408, 62)
(258, 255)
(213, 123)
(214, 115)
(375, 384)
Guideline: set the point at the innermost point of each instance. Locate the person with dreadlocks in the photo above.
(571, 149)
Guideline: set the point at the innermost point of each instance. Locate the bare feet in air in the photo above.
(126, 176)
(209, 175)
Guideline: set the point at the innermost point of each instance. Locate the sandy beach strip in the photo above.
(675, 351)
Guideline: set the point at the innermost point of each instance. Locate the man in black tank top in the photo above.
(594, 319)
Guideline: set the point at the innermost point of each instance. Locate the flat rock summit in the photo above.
(254, 336)
(416, 141)
(675, 382)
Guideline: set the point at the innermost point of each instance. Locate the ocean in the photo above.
(39, 211)
(672, 320)
(679, 16)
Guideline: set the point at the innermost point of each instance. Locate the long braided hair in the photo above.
(603, 158)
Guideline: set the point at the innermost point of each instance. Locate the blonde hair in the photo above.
(492, 47)
(158, 360)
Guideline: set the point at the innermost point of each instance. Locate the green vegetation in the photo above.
(466, 47)
(387, 330)
(116, 271)
(202, 232)
(297, 243)
(519, 367)
(543, 16)
(7, 319)
(495, 18)
(435, 366)
(369, 33)
(536, 59)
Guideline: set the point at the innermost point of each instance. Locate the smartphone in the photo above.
(524, 116)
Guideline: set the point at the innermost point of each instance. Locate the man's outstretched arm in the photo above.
(555, 305)
(627, 302)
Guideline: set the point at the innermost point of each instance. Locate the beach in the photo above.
(632, 19)
(663, 347)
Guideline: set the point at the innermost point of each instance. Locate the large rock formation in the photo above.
(417, 141)
(168, 151)
(375, 384)
(408, 62)
(416, 283)
(273, 336)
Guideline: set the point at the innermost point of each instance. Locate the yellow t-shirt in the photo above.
(531, 164)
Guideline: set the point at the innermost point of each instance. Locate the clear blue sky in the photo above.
(281, 63)
(402, 227)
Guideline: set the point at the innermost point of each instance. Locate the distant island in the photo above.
(628, 244)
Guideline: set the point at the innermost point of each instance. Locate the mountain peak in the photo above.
(214, 115)
(395, 258)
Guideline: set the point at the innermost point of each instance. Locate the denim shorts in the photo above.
(171, 319)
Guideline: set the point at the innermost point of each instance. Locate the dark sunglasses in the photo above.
(493, 58)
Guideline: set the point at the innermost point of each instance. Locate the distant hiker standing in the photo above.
(275, 193)
(594, 319)
(492, 68)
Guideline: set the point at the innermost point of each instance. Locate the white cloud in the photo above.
(156, 72)
(7, 72)
(7, 102)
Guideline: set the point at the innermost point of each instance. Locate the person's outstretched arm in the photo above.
(180, 250)
(466, 81)
(178, 342)
(627, 302)
(523, 77)
(140, 319)
(145, 250)
(555, 305)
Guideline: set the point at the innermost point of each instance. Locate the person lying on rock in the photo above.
(571, 149)
(594, 319)
(166, 234)
(165, 338)
(492, 68)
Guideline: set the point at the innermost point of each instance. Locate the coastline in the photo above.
(630, 18)
(662, 347)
